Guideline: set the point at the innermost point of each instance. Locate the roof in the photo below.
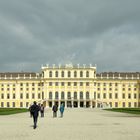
(18, 74)
(118, 74)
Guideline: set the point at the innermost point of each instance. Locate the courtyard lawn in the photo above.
(126, 110)
(9, 111)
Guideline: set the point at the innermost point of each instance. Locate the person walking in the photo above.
(34, 110)
(42, 110)
(30, 111)
(61, 110)
(54, 109)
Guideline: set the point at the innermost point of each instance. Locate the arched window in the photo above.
(81, 95)
(87, 74)
(87, 95)
(81, 74)
(69, 95)
(62, 74)
(56, 95)
(75, 74)
(50, 95)
(62, 95)
(56, 74)
(43, 74)
(75, 95)
(50, 74)
(69, 74)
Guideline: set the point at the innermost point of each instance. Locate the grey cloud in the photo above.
(83, 31)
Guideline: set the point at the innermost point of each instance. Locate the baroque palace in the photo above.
(75, 86)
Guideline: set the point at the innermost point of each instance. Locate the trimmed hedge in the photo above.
(125, 110)
(9, 111)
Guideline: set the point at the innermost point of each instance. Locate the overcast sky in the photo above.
(102, 32)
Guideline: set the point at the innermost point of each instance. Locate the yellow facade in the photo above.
(75, 86)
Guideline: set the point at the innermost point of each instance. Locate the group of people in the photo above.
(34, 111)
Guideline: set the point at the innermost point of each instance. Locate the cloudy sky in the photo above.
(102, 32)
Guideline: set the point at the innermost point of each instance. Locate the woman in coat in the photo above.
(61, 110)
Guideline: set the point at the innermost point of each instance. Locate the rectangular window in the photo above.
(62, 84)
(21, 96)
(135, 104)
(129, 104)
(110, 95)
(14, 96)
(116, 104)
(27, 104)
(98, 95)
(8, 104)
(2, 104)
(116, 95)
(81, 83)
(123, 104)
(13, 104)
(75, 83)
(87, 83)
(110, 103)
(123, 95)
(69, 83)
(21, 104)
(8, 96)
(104, 95)
(129, 96)
(50, 83)
(39, 96)
(2, 96)
(56, 83)
(33, 95)
(110, 89)
(27, 96)
(135, 96)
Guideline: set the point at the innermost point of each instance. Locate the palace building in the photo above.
(75, 86)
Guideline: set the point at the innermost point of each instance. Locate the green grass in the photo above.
(9, 111)
(126, 110)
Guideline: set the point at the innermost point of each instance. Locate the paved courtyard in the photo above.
(77, 124)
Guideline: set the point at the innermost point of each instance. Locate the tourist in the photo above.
(61, 110)
(54, 109)
(34, 110)
(42, 110)
(30, 111)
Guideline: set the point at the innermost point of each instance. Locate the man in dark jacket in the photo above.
(54, 109)
(34, 110)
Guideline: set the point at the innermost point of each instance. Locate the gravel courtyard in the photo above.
(77, 124)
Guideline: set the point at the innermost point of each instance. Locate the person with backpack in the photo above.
(54, 109)
(61, 110)
(42, 110)
(34, 110)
